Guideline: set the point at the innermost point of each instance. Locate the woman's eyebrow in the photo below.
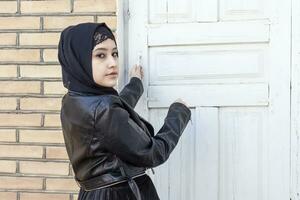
(105, 49)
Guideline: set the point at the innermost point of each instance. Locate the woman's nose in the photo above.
(112, 62)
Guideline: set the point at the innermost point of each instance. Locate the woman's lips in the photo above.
(112, 74)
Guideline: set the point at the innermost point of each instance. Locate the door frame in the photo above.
(130, 56)
(121, 35)
(295, 99)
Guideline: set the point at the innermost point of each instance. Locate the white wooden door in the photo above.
(230, 61)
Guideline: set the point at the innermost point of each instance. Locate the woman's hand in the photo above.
(181, 101)
(136, 71)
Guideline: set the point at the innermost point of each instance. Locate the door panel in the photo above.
(208, 64)
(183, 11)
(244, 10)
(209, 95)
(208, 33)
(243, 153)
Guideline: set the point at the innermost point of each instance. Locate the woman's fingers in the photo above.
(137, 71)
(141, 71)
(181, 101)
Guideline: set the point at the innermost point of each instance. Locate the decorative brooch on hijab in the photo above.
(75, 56)
(102, 33)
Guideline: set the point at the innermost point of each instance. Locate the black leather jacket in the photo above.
(107, 141)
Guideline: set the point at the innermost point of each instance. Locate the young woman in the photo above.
(109, 145)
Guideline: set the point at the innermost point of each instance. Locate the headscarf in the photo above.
(75, 56)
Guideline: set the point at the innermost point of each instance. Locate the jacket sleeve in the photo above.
(132, 91)
(121, 136)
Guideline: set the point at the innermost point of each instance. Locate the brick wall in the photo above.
(33, 160)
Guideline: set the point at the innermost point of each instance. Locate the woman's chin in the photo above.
(108, 81)
(111, 82)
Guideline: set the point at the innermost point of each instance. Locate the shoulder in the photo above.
(109, 113)
(107, 104)
(90, 105)
(107, 101)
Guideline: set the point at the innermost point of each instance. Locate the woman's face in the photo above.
(105, 61)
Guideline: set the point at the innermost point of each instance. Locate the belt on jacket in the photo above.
(132, 184)
(89, 185)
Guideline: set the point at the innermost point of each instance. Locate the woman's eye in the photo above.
(116, 54)
(101, 55)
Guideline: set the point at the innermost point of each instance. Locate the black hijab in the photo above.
(75, 56)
